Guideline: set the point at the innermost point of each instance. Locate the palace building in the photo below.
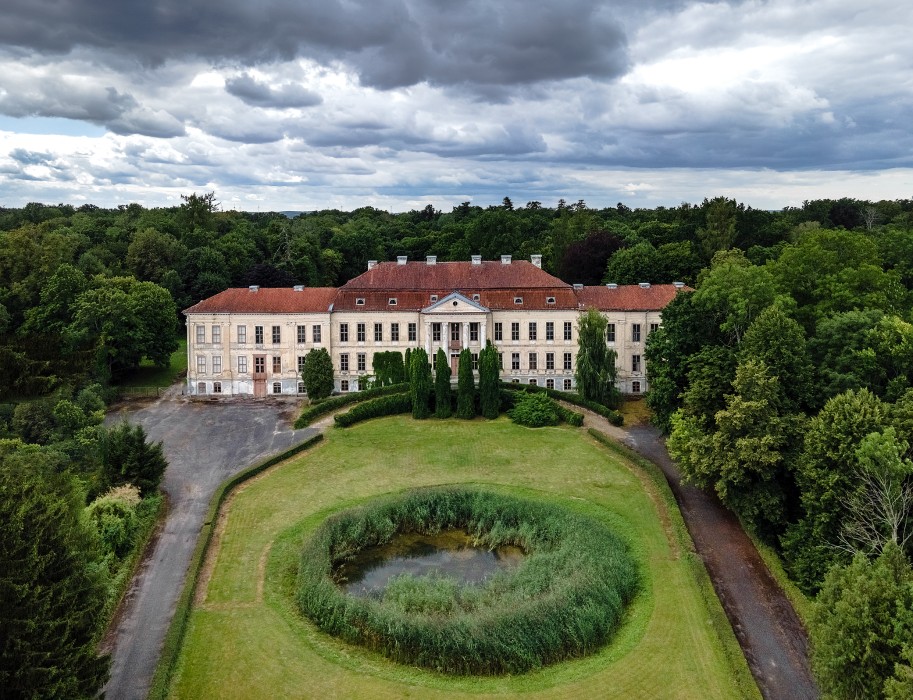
(252, 341)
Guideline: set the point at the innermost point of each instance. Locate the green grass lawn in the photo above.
(246, 638)
(147, 374)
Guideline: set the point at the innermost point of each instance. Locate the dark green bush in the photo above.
(534, 411)
(613, 416)
(322, 408)
(383, 406)
(563, 601)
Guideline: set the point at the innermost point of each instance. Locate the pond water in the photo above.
(450, 553)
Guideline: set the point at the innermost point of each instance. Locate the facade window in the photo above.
(343, 332)
(301, 389)
(217, 387)
(549, 330)
(394, 332)
(260, 365)
(302, 334)
(300, 364)
(635, 332)
(610, 333)
(549, 383)
(277, 365)
(344, 362)
(567, 384)
(473, 332)
(475, 360)
(277, 335)
(515, 330)
(413, 332)
(344, 385)
(258, 335)
(201, 387)
(549, 360)
(201, 364)
(499, 331)
(433, 360)
(242, 334)
(635, 387)
(362, 383)
(201, 334)
(315, 334)
(534, 382)
(568, 330)
(436, 332)
(277, 387)
(378, 332)
(533, 361)
(362, 363)
(360, 332)
(635, 363)
(217, 334)
(216, 364)
(653, 327)
(242, 364)
(533, 333)
(568, 362)
(515, 360)
(500, 360)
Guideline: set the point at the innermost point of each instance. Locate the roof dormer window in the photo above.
(392, 301)
(434, 297)
(359, 301)
(518, 300)
(549, 300)
(475, 297)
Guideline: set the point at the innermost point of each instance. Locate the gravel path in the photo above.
(769, 631)
(205, 443)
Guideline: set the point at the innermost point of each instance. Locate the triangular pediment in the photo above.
(455, 303)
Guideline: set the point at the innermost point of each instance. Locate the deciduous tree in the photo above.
(317, 374)
(596, 371)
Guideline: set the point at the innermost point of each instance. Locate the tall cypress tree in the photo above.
(51, 591)
(489, 389)
(466, 404)
(419, 383)
(442, 386)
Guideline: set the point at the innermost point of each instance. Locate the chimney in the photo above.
(254, 288)
(371, 264)
(612, 285)
(431, 259)
(536, 260)
(476, 259)
(298, 287)
(578, 285)
(505, 260)
(678, 285)
(644, 285)
(401, 259)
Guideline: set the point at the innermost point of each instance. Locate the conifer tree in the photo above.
(489, 390)
(442, 386)
(419, 383)
(465, 387)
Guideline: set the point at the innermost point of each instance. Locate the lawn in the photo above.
(246, 639)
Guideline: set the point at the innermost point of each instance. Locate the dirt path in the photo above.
(772, 637)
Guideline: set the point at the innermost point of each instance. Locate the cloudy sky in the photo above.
(310, 104)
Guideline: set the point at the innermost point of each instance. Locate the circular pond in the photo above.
(562, 594)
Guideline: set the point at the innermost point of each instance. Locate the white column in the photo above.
(483, 328)
(465, 334)
(428, 338)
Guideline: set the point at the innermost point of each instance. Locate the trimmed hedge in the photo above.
(178, 627)
(383, 406)
(321, 408)
(563, 601)
(614, 417)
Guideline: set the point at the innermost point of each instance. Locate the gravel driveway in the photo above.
(205, 443)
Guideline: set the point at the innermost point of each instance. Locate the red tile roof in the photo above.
(495, 299)
(520, 274)
(629, 297)
(267, 300)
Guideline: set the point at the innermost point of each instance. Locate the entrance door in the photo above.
(260, 376)
(454, 366)
(455, 342)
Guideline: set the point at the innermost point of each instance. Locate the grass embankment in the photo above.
(148, 375)
(246, 637)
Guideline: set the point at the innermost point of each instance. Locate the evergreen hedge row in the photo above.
(382, 406)
(611, 415)
(322, 408)
(564, 600)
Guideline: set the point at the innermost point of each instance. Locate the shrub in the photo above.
(322, 408)
(114, 518)
(383, 406)
(564, 600)
(614, 417)
(534, 411)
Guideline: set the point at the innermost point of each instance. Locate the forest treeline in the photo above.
(784, 380)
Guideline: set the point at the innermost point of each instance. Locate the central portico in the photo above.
(455, 323)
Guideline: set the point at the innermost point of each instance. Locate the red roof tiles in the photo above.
(628, 297)
(267, 300)
(519, 274)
